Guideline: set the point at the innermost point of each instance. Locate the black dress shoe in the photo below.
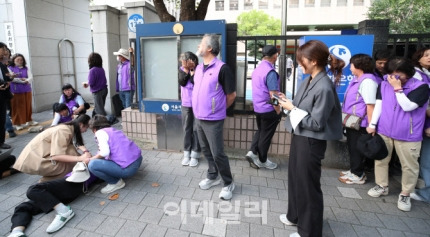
(5, 146)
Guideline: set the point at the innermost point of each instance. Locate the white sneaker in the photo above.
(344, 172)
(268, 164)
(31, 123)
(208, 183)
(253, 160)
(378, 191)
(59, 221)
(353, 179)
(416, 197)
(113, 187)
(18, 128)
(194, 162)
(185, 161)
(227, 192)
(404, 203)
(295, 234)
(283, 218)
(17, 234)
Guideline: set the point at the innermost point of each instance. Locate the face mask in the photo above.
(118, 59)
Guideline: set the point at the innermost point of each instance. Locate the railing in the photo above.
(406, 44)
(251, 46)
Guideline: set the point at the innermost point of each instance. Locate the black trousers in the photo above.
(266, 127)
(43, 197)
(211, 140)
(3, 108)
(356, 160)
(6, 164)
(305, 197)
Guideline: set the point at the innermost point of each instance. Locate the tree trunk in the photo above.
(188, 10)
(162, 12)
(202, 10)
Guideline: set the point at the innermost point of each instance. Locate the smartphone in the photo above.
(276, 96)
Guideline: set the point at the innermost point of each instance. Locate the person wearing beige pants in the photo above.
(400, 108)
(408, 153)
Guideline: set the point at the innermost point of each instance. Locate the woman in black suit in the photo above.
(314, 116)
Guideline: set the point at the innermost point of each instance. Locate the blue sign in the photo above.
(134, 20)
(343, 47)
(161, 106)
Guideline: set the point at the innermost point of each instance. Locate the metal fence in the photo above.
(405, 45)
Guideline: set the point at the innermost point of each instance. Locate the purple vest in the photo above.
(123, 151)
(260, 92)
(126, 81)
(18, 88)
(353, 101)
(64, 119)
(70, 104)
(208, 99)
(396, 123)
(426, 79)
(186, 94)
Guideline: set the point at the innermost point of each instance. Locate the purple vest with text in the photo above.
(260, 92)
(208, 99)
(353, 102)
(19, 88)
(127, 82)
(123, 151)
(396, 123)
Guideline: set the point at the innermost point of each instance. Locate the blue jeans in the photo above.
(425, 169)
(110, 172)
(8, 124)
(126, 98)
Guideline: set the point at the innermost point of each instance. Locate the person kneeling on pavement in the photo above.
(118, 156)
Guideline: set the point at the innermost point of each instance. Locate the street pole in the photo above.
(282, 62)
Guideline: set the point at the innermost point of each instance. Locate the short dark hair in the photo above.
(382, 54)
(95, 60)
(363, 62)
(2, 45)
(399, 64)
(12, 61)
(189, 55)
(58, 107)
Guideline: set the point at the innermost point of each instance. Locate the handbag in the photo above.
(79, 174)
(351, 121)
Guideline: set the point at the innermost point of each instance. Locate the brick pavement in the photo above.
(177, 207)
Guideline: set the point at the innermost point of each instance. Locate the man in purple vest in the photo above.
(125, 78)
(265, 83)
(214, 91)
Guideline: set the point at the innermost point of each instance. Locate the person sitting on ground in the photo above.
(399, 115)
(45, 197)
(73, 100)
(118, 156)
(52, 153)
(62, 114)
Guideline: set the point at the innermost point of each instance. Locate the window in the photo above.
(325, 3)
(248, 4)
(234, 4)
(277, 4)
(219, 5)
(341, 3)
(309, 3)
(358, 3)
(263, 4)
(293, 3)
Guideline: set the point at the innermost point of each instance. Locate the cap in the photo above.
(79, 174)
(269, 50)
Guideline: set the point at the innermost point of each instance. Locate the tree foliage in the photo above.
(255, 23)
(406, 16)
(190, 10)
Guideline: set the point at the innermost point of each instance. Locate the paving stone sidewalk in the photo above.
(163, 199)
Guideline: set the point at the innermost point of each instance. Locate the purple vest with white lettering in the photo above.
(19, 88)
(353, 102)
(260, 92)
(209, 99)
(123, 151)
(396, 123)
